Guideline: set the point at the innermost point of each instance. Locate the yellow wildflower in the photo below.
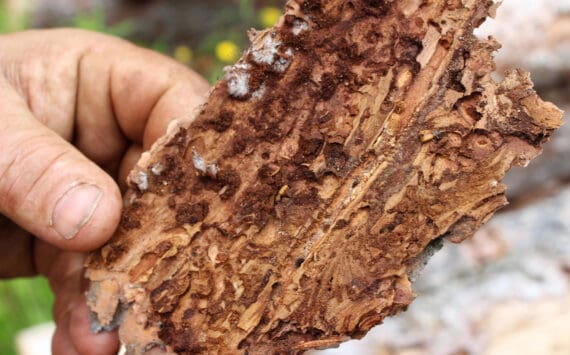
(227, 51)
(269, 15)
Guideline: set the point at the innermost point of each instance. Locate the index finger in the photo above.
(98, 90)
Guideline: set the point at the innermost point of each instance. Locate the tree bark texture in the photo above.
(294, 209)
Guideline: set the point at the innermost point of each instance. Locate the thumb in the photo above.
(49, 188)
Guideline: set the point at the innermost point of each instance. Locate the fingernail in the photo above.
(74, 209)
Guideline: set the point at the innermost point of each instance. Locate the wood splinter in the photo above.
(292, 211)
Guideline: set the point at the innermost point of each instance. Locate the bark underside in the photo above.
(293, 210)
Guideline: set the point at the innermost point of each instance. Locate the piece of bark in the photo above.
(290, 212)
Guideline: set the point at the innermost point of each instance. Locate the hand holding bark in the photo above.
(76, 110)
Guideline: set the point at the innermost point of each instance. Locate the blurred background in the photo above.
(506, 291)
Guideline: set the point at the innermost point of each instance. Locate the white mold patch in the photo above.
(141, 180)
(157, 169)
(212, 170)
(268, 52)
(202, 166)
(283, 62)
(237, 78)
(199, 162)
(259, 93)
(299, 26)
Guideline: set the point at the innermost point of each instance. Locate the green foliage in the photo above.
(23, 303)
(158, 45)
(96, 21)
(12, 22)
(246, 11)
(3, 18)
(216, 72)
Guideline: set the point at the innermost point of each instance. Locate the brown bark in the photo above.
(291, 212)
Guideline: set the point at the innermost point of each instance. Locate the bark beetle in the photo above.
(291, 211)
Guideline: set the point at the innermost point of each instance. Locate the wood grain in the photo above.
(292, 210)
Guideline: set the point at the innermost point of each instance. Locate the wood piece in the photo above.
(291, 211)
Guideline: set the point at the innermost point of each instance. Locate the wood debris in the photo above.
(291, 211)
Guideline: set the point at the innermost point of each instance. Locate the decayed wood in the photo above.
(291, 211)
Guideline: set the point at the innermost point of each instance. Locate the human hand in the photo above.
(76, 111)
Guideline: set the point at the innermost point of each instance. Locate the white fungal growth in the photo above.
(299, 26)
(237, 77)
(157, 169)
(259, 93)
(141, 180)
(203, 167)
(283, 62)
(212, 170)
(199, 162)
(268, 52)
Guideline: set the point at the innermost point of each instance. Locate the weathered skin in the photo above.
(291, 211)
